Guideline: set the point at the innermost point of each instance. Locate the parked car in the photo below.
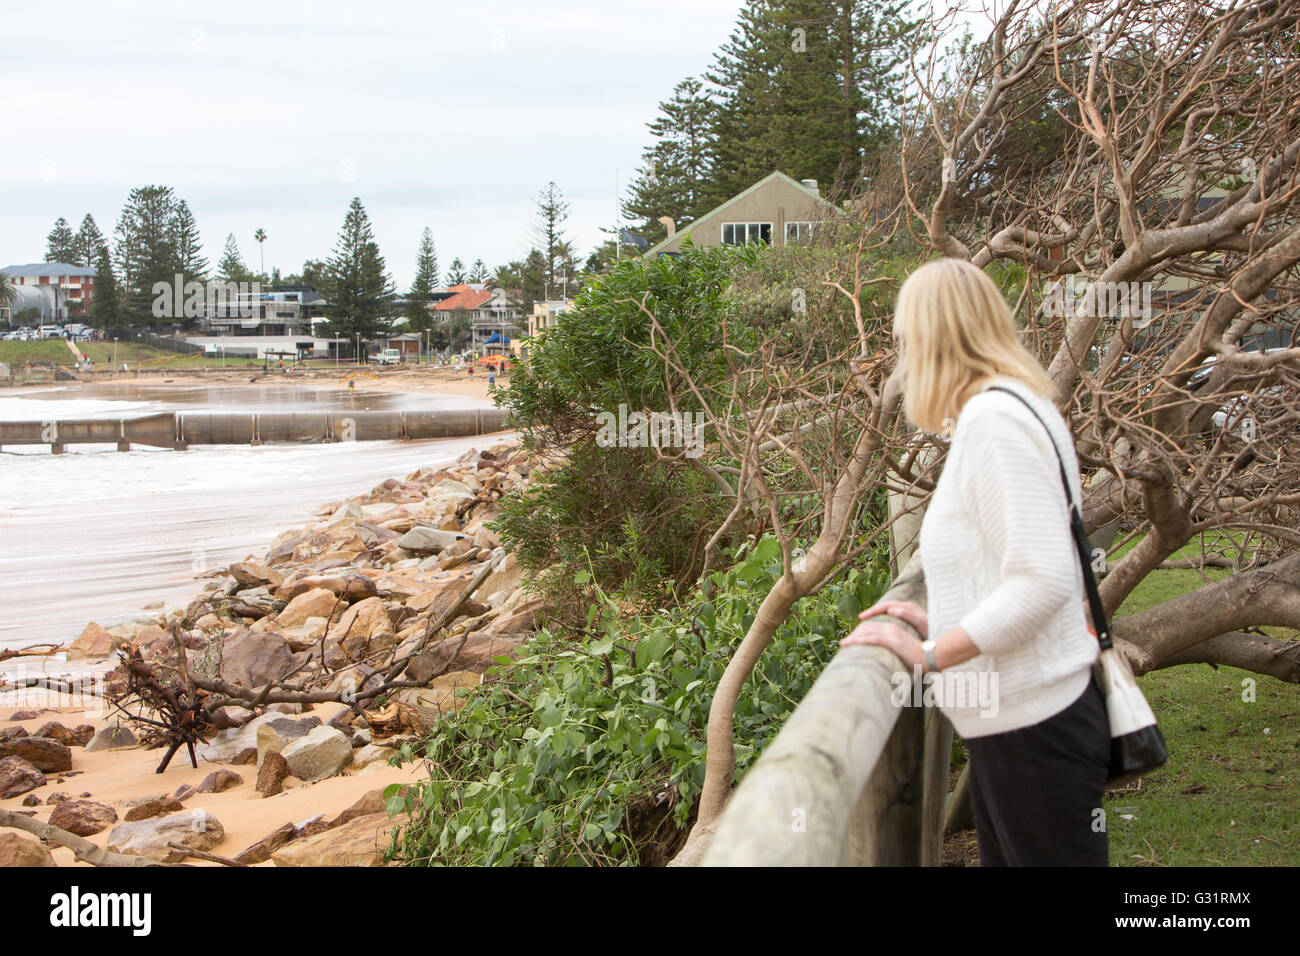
(388, 357)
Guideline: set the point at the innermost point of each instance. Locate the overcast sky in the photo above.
(275, 113)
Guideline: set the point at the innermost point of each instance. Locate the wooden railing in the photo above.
(853, 778)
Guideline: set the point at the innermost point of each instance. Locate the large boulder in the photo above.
(17, 777)
(83, 817)
(252, 574)
(254, 658)
(193, 828)
(317, 602)
(322, 753)
(93, 643)
(359, 842)
(365, 628)
(228, 744)
(18, 850)
(426, 540)
(48, 756)
(475, 654)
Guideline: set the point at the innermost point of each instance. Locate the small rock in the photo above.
(261, 851)
(18, 776)
(158, 807)
(184, 792)
(270, 776)
(57, 797)
(30, 714)
(31, 800)
(219, 781)
(69, 738)
(83, 817)
(372, 753)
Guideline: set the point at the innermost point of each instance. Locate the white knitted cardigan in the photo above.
(1000, 561)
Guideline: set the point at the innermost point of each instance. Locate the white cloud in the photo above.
(273, 115)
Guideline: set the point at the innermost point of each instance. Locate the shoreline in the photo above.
(321, 833)
(430, 380)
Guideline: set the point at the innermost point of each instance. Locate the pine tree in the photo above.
(806, 87)
(88, 243)
(548, 234)
(105, 301)
(478, 272)
(426, 280)
(356, 284)
(676, 170)
(190, 262)
(230, 267)
(60, 244)
(456, 274)
(144, 248)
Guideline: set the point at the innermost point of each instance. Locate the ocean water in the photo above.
(96, 534)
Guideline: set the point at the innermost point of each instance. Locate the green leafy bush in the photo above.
(592, 752)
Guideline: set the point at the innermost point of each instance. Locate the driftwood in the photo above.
(82, 849)
(843, 782)
(201, 855)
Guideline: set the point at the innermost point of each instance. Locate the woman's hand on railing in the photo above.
(889, 635)
(908, 611)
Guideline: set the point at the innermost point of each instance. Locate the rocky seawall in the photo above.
(292, 679)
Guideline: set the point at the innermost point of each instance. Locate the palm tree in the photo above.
(8, 291)
(260, 236)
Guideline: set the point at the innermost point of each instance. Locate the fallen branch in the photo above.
(82, 849)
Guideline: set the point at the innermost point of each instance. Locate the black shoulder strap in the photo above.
(1076, 526)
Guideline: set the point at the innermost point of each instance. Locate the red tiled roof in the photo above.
(465, 298)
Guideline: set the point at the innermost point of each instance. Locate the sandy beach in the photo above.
(126, 777)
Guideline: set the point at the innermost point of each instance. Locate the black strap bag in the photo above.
(1136, 746)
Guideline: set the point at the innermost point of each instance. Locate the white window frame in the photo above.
(750, 228)
(804, 229)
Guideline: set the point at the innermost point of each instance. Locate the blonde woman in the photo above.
(1004, 589)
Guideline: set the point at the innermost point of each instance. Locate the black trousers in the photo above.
(1036, 791)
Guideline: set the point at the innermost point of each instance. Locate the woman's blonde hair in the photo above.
(956, 333)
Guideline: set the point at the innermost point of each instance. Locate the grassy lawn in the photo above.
(1230, 793)
(134, 353)
(48, 351)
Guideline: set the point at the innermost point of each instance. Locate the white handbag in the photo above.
(1136, 745)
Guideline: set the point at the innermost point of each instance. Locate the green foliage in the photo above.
(597, 355)
(676, 170)
(356, 282)
(616, 513)
(593, 753)
(640, 519)
(61, 244)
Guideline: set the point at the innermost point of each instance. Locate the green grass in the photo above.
(1230, 793)
(134, 353)
(45, 351)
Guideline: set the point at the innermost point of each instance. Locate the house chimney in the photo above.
(669, 224)
(810, 184)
